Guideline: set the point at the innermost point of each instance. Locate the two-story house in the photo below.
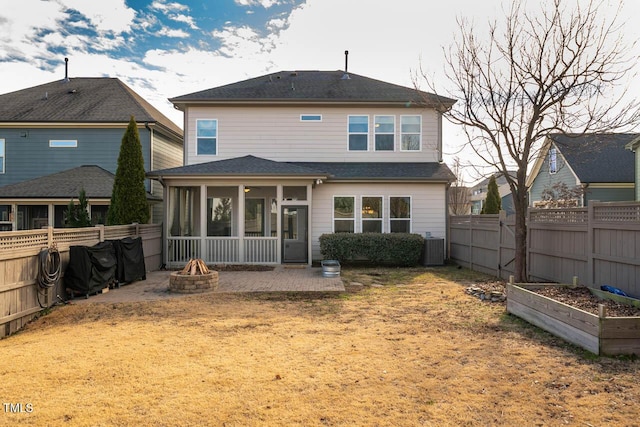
(48, 132)
(271, 163)
(591, 167)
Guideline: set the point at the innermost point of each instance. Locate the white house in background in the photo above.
(271, 163)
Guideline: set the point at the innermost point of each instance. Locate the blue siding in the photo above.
(545, 180)
(609, 195)
(28, 155)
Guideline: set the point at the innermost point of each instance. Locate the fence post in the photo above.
(590, 245)
(470, 241)
(101, 232)
(502, 216)
(50, 236)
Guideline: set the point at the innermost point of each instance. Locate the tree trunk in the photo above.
(520, 207)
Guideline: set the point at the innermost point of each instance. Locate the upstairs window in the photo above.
(553, 160)
(410, 133)
(343, 214)
(310, 117)
(63, 143)
(358, 133)
(1, 155)
(207, 137)
(384, 128)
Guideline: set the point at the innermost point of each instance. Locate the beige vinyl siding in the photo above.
(277, 133)
(428, 207)
(167, 153)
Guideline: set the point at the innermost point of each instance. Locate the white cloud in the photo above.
(264, 3)
(107, 16)
(168, 7)
(169, 32)
(184, 18)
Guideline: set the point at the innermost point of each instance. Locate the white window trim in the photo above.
(368, 132)
(63, 143)
(411, 133)
(208, 137)
(555, 160)
(384, 133)
(402, 219)
(3, 156)
(381, 219)
(333, 212)
(309, 119)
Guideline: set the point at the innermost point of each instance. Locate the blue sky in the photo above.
(165, 48)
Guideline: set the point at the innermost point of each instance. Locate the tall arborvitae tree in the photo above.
(492, 203)
(129, 197)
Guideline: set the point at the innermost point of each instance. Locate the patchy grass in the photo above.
(406, 348)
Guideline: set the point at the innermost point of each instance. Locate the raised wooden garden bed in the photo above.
(598, 334)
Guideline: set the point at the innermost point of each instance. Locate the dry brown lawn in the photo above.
(416, 352)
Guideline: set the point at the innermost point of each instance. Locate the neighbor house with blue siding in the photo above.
(63, 125)
(597, 166)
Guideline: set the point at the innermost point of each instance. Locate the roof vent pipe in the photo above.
(345, 76)
(66, 69)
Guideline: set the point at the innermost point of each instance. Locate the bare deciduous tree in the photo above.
(559, 69)
(459, 194)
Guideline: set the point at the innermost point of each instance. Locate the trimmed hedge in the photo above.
(391, 249)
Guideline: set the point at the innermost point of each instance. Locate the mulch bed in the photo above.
(583, 299)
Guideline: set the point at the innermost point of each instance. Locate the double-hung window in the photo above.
(1, 155)
(553, 160)
(358, 133)
(410, 133)
(344, 214)
(207, 137)
(400, 214)
(371, 214)
(384, 128)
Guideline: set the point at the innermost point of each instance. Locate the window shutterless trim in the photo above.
(363, 219)
(411, 133)
(310, 117)
(215, 138)
(2, 156)
(333, 213)
(376, 133)
(357, 133)
(553, 160)
(410, 219)
(63, 143)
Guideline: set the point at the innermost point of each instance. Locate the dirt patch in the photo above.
(413, 350)
(580, 297)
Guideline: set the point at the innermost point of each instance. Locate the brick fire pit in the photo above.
(194, 278)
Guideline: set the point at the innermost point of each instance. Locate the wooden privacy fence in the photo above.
(484, 243)
(600, 244)
(20, 296)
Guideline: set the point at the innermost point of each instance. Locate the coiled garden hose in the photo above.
(48, 271)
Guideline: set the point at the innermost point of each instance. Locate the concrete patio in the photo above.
(281, 279)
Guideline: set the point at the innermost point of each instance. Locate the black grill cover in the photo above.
(90, 268)
(130, 259)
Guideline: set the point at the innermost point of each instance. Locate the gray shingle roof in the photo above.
(80, 100)
(430, 171)
(315, 86)
(247, 165)
(251, 165)
(598, 157)
(97, 184)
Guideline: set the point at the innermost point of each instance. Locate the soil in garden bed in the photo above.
(580, 297)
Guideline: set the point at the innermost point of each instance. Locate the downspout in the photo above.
(447, 220)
